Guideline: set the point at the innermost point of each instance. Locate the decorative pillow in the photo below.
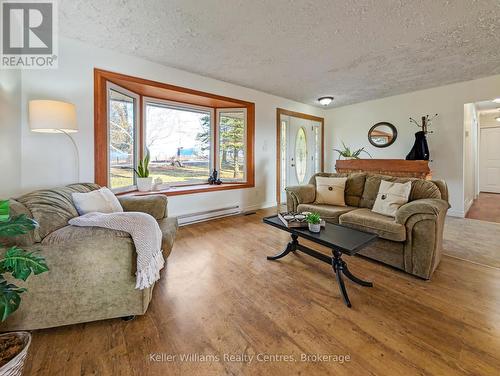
(101, 200)
(330, 191)
(390, 197)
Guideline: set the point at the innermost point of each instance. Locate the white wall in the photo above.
(48, 160)
(351, 124)
(10, 132)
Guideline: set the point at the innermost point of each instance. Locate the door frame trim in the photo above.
(279, 112)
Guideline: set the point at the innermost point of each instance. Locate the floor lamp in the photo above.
(47, 116)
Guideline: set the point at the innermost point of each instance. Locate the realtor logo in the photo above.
(29, 34)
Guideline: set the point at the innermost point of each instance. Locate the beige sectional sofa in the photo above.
(92, 270)
(412, 241)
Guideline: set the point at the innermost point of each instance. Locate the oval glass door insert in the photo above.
(301, 155)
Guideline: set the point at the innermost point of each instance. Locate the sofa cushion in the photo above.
(366, 220)
(354, 186)
(327, 212)
(53, 208)
(390, 197)
(424, 189)
(420, 189)
(330, 191)
(101, 200)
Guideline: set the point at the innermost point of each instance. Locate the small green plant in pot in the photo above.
(20, 264)
(313, 222)
(144, 181)
(347, 153)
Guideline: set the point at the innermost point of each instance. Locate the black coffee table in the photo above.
(340, 239)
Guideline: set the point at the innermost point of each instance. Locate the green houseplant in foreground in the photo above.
(314, 222)
(347, 153)
(20, 264)
(144, 181)
(15, 261)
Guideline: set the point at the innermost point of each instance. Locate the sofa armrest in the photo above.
(424, 221)
(433, 206)
(154, 205)
(299, 194)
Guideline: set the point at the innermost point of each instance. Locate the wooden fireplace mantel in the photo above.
(392, 167)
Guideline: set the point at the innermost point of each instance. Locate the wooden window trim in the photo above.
(279, 112)
(153, 89)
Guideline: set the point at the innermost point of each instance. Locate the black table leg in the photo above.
(340, 281)
(340, 267)
(290, 247)
(353, 278)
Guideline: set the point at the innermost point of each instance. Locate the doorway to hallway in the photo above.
(482, 160)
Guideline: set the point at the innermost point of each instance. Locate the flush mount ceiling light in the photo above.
(325, 101)
(497, 119)
(496, 100)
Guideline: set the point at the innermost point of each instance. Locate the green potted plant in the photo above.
(144, 181)
(20, 264)
(347, 153)
(313, 222)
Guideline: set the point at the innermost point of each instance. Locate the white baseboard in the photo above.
(468, 205)
(187, 219)
(456, 213)
(256, 207)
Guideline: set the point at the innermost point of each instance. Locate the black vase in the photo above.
(420, 149)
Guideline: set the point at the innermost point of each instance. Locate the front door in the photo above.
(489, 160)
(300, 151)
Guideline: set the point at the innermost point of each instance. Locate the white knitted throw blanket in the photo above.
(145, 233)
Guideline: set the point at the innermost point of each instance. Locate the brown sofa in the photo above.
(412, 241)
(92, 270)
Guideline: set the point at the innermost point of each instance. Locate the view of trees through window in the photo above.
(178, 153)
(121, 139)
(232, 145)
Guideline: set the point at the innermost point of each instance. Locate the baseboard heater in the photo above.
(187, 219)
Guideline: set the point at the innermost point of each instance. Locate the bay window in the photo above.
(123, 128)
(179, 140)
(231, 144)
(187, 133)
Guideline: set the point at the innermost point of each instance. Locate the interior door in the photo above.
(489, 160)
(297, 151)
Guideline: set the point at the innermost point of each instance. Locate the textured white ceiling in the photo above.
(355, 50)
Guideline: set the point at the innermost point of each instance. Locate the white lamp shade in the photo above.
(52, 116)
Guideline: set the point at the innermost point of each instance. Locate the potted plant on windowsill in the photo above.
(144, 181)
(347, 153)
(19, 264)
(313, 222)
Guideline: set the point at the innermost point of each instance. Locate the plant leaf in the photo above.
(21, 264)
(4, 210)
(147, 159)
(9, 298)
(18, 225)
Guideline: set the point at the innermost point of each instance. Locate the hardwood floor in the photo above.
(219, 295)
(486, 207)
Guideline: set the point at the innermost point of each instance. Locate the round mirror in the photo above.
(382, 134)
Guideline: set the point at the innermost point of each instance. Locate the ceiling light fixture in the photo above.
(497, 119)
(325, 101)
(496, 100)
